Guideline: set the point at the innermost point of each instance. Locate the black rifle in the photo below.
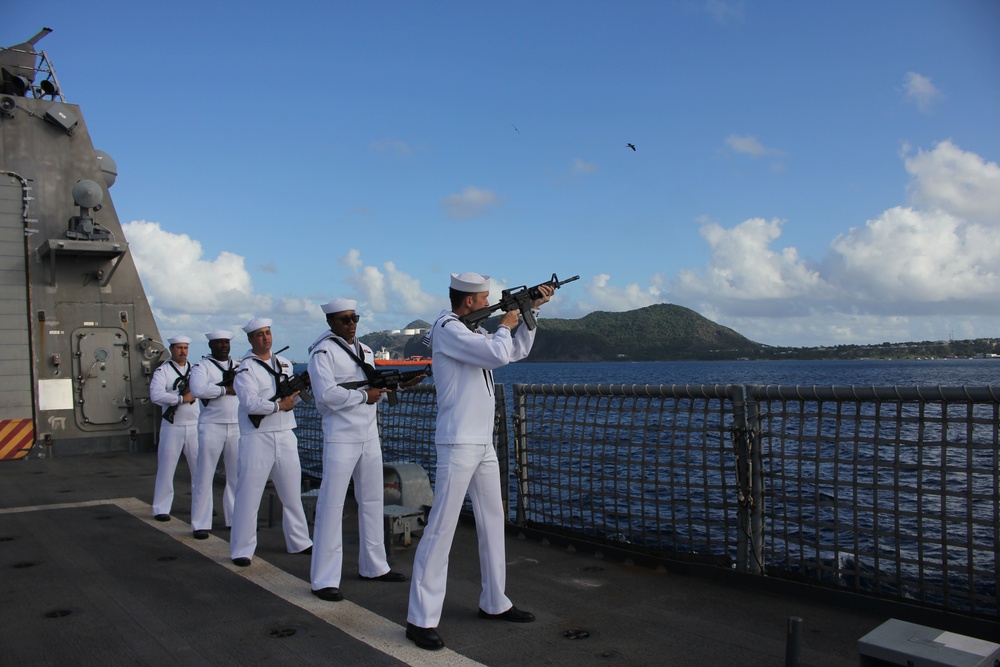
(228, 376)
(182, 385)
(286, 387)
(387, 378)
(516, 298)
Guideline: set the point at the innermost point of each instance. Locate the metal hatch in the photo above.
(102, 367)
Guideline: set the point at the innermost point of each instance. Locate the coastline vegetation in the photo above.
(666, 332)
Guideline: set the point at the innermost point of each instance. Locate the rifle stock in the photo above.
(388, 378)
(182, 385)
(517, 298)
(228, 375)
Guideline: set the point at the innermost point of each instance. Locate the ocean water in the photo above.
(878, 373)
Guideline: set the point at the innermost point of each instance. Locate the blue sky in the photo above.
(807, 173)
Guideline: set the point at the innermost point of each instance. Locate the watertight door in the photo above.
(105, 390)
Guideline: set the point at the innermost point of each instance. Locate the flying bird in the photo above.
(630, 146)
(515, 128)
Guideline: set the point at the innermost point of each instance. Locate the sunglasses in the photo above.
(347, 319)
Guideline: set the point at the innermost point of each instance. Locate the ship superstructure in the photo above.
(79, 339)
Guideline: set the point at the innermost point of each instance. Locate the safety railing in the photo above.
(883, 491)
(887, 491)
(407, 431)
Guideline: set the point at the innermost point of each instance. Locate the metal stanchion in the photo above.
(793, 642)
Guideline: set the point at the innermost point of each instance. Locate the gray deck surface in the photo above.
(101, 583)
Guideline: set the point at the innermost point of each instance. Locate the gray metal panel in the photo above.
(63, 286)
(12, 240)
(16, 398)
(10, 353)
(13, 401)
(11, 368)
(11, 311)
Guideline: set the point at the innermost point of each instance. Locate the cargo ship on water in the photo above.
(91, 578)
(384, 358)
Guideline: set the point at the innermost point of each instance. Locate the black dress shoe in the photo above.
(162, 517)
(329, 594)
(201, 534)
(388, 576)
(241, 562)
(427, 638)
(304, 552)
(513, 615)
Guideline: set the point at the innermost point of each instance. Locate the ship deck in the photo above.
(90, 578)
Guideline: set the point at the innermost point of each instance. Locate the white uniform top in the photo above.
(347, 417)
(163, 392)
(205, 376)
(254, 387)
(463, 374)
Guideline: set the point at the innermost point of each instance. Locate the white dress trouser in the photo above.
(174, 439)
(341, 462)
(272, 454)
(459, 468)
(214, 440)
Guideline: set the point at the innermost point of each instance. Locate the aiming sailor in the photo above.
(464, 361)
(351, 450)
(268, 448)
(169, 388)
(218, 433)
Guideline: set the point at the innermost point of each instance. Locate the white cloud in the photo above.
(389, 295)
(743, 267)
(912, 273)
(919, 90)
(602, 295)
(175, 273)
(750, 145)
(725, 12)
(352, 260)
(470, 204)
(908, 257)
(190, 294)
(921, 270)
(392, 146)
(956, 181)
(581, 166)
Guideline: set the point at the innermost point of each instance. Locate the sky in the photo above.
(806, 173)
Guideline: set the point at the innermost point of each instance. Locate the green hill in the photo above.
(654, 333)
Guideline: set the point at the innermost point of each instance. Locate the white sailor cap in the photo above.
(470, 282)
(174, 340)
(256, 323)
(339, 305)
(220, 334)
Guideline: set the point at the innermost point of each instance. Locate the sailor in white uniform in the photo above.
(351, 450)
(269, 449)
(179, 426)
(464, 361)
(218, 432)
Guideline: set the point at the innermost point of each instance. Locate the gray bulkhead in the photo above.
(78, 342)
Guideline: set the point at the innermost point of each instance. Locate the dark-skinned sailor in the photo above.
(178, 428)
(267, 450)
(351, 450)
(218, 432)
(464, 360)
